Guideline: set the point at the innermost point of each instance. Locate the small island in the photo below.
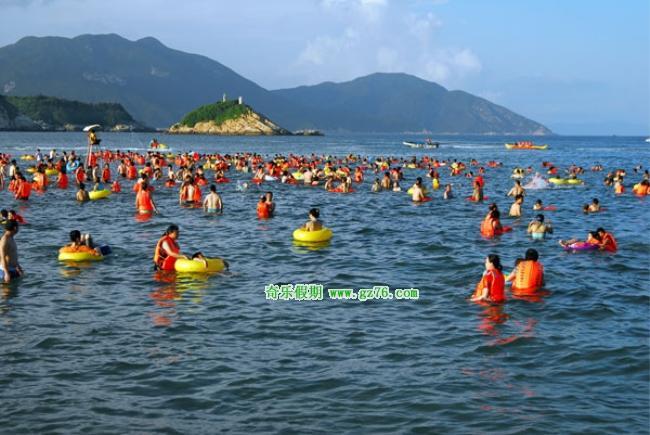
(43, 113)
(227, 117)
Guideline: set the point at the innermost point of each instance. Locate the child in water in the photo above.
(376, 186)
(313, 224)
(538, 205)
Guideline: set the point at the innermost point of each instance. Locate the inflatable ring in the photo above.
(51, 172)
(71, 167)
(31, 170)
(27, 157)
(79, 256)
(580, 246)
(322, 235)
(574, 181)
(194, 266)
(98, 194)
(538, 236)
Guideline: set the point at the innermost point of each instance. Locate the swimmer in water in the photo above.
(517, 189)
(594, 207)
(592, 239)
(515, 208)
(448, 194)
(314, 224)
(538, 205)
(538, 228)
(82, 195)
(417, 194)
(81, 243)
(270, 203)
(212, 202)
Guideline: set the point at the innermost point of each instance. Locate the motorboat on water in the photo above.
(428, 143)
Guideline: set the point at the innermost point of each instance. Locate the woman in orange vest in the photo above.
(143, 200)
(607, 241)
(491, 225)
(528, 276)
(23, 188)
(167, 250)
(491, 286)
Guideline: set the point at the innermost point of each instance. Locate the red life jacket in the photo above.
(161, 257)
(495, 283)
(143, 202)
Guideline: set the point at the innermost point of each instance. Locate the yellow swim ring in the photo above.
(79, 256)
(51, 171)
(321, 235)
(98, 194)
(194, 266)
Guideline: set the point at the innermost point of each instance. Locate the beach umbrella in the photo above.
(91, 127)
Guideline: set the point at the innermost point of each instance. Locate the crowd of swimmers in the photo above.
(187, 172)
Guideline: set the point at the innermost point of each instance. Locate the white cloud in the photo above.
(379, 35)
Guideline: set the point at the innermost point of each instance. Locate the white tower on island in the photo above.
(240, 100)
(223, 99)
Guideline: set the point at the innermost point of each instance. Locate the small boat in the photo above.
(426, 144)
(525, 145)
(648, 139)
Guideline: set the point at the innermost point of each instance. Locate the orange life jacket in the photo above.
(143, 202)
(106, 175)
(495, 282)
(80, 175)
(115, 187)
(161, 257)
(529, 278)
(63, 181)
(131, 172)
(263, 210)
(23, 190)
(487, 229)
(609, 242)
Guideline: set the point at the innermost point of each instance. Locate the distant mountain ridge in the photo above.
(158, 85)
(389, 102)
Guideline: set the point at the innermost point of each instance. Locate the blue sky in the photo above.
(579, 67)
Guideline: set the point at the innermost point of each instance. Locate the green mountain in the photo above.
(49, 113)
(158, 85)
(400, 102)
(226, 118)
